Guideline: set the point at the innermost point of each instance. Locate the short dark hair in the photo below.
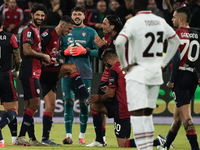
(1, 20)
(77, 9)
(140, 5)
(67, 19)
(116, 21)
(108, 53)
(186, 11)
(38, 6)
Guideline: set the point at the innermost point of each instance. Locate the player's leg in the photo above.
(83, 115)
(71, 69)
(104, 129)
(68, 98)
(98, 107)
(13, 130)
(9, 100)
(138, 100)
(122, 131)
(97, 117)
(31, 88)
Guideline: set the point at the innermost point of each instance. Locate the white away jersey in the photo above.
(146, 33)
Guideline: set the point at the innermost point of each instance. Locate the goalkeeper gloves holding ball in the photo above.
(67, 51)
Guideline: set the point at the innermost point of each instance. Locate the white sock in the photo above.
(2, 141)
(14, 139)
(141, 136)
(69, 135)
(104, 138)
(82, 135)
(149, 129)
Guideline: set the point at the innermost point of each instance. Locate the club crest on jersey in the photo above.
(44, 34)
(28, 34)
(83, 34)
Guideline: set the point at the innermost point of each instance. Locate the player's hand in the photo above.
(128, 67)
(15, 74)
(68, 50)
(170, 85)
(79, 50)
(46, 59)
(99, 42)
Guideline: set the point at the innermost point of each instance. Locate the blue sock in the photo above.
(6, 119)
(26, 123)
(77, 80)
(47, 124)
(13, 127)
(97, 121)
(31, 130)
(192, 138)
(170, 138)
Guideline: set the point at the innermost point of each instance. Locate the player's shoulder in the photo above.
(88, 28)
(116, 67)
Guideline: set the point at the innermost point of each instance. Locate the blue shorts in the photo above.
(31, 87)
(7, 89)
(184, 88)
(69, 89)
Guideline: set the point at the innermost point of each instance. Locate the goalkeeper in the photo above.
(82, 38)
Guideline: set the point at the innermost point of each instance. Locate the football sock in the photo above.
(27, 121)
(47, 124)
(77, 80)
(143, 131)
(192, 138)
(170, 138)
(81, 135)
(130, 143)
(13, 127)
(6, 118)
(68, 115)
(97, 121)
(104, 130)
(83, 116)
(69, 135)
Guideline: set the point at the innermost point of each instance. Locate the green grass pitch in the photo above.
(58, 134)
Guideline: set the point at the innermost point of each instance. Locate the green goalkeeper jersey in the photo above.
(85, 36)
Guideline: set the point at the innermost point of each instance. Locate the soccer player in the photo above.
(51, 73)
(116, 94)
(183, 81)
(8, 47)
(82, 37)
(30, 72)
(146, 34)
(112, 25)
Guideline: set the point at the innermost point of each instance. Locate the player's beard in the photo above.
(77, 24)
(37, 24)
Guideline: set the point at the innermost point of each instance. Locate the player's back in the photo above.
(189, 48)
(146, 33)
(6, 49)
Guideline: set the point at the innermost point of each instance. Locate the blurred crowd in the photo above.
(17, 12)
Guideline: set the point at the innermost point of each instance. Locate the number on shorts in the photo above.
(117, 127)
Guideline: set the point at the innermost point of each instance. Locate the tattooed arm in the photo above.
(17, 60)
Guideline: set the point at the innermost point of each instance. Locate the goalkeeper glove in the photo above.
(79, 50)
(67, 51)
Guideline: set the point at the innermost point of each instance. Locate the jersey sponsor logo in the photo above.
(44, 34)
(83, 34)
(28, 34)
(111, 80)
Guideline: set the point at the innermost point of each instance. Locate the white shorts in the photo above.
(140, 96)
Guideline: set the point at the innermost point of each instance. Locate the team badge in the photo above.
(83, 34)
(44, 34)
(38, 91)
(29, 34)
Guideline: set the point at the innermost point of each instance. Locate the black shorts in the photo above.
(31, 87)
(49, 78)
(7, 89)
(122, 128)
(102, 84)
(184, 87)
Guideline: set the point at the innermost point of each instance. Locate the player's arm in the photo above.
(28, 51)
(175, 65)
(173, 44)
(120, 49)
